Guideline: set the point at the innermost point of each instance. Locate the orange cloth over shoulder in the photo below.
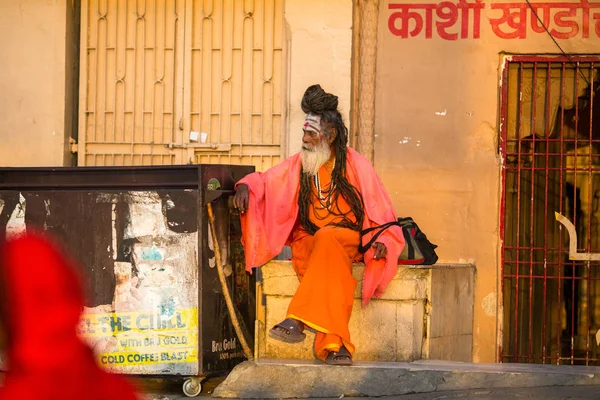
(273, 212)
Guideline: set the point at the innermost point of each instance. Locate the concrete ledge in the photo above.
(410, 283)
(269, 378)
(426, 311)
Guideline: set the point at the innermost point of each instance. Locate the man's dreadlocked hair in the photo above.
(317, 101)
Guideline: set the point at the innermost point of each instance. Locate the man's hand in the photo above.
(240, 200)
(380, 250)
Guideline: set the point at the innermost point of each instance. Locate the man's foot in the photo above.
(289, 330)
(342, 357)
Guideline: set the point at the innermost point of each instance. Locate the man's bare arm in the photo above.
(240, 200)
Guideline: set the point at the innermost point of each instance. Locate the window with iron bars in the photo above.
(550, 148)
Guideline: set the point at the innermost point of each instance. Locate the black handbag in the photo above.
(418, 249)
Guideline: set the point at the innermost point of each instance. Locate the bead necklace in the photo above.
(324, 195)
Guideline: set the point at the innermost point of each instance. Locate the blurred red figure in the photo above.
(42, 300)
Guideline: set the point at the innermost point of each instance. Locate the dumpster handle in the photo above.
(226, 294)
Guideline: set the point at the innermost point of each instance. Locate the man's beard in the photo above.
(313, 158)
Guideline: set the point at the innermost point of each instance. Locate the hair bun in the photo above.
(317, 101)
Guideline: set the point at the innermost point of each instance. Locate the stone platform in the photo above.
(303, 379)
(426, 312)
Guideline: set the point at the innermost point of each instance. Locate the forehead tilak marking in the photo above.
(312, 123)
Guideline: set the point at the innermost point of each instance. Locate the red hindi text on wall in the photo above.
(462, 19)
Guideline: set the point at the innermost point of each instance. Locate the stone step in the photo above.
(426, 312)
(276, 378)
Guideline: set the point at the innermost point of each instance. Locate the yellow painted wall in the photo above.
(319, 51)
(36, 100)
(436, 146)
(32, 82)
(436, 116)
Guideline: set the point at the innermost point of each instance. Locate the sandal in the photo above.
(342, 357)
(290, 331)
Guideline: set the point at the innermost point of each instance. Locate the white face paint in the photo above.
(313, 157)
(313, 123)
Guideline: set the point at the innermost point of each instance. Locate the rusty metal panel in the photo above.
(550, 149)
(220, 347)
(154, 304)
(155, 74)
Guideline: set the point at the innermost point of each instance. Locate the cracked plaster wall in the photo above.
(436, 145)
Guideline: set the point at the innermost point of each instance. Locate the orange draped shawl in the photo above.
(273, 211)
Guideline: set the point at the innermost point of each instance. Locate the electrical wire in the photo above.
(567, 56)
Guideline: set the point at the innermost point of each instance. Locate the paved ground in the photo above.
(543, 393)
(170, 389)
(157, 389)
(173, 392)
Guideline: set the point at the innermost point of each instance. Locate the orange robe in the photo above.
(272, 215)
(323, 263)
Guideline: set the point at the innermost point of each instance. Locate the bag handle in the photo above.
(363, 249)
(383, 227)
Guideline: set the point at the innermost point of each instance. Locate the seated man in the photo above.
(318, 201)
